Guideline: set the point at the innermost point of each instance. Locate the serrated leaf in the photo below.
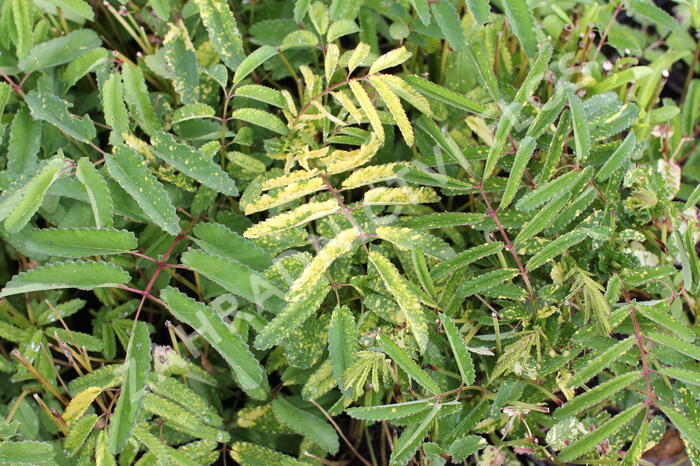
(617, 158)
(555, 248)
(407, 364)
(656, 15)
(548, 113)
(480, 9)
(448, 21)
(412, 437)
(83, 65)
(252, 61)
(548, 191)
(440, 220)
(655, 314)
(287, 194)
(522, 157)
(219, 240)
(368, 108)
(135, 372)
(389, 412)
(236, 278)
(340, 28)
(75, 242)
(299, 39)
(32, 195)
(422, 9)
(60, 50)
(223, 31)
(465, 258)
(687, 428)
(201, 318)
(192, 112)
(445, 95)
(600, 362)
(342, 341)
(298, 216)
(262, 94)
(605, 430)
(582, 136)
(97, 191)
(306, 424)
(541, 219)
(485, 281)
(25, 142)
(251, 454)
(639, 445)
(596, 395)
(159, 449)
(459, 350)
(130, 170)
(522, 22)
(114, 108)
(677, 344)
(80, 403)
(405, 238)
(688, 376)
(260, 118)
(194, 163)
(26, 452)
(136, 95)
(465, 446)
(183, 418)
(68, 274)
(78, 433)
(393, 103)
(52, 109)
(407, 301)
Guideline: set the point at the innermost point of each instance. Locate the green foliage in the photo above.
(348, 232)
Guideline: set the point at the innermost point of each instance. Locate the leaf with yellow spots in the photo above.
(407, 239)
(80, 403)
(193, 163)
(368, 107)
(393, 103)
(408, 302)
(223, 31)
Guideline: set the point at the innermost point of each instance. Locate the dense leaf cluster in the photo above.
(309, 232)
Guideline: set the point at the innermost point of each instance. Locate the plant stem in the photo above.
(640, 343)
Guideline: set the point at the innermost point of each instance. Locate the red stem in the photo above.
(640, 343)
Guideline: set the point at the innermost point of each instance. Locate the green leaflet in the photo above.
(389, 412)
(684, 375)
(687, 428)
(236, 278)
(135, 372)
(485, 282)
(75, 242)
(407, 364)
(306, 424)
(22, 15)
(646, 274)
(194, 163)
(445, 95)
(97, 191)
(522, 22)
(342, 341)
(421, 7)
(252, 61)
(26, 452)
(542, 219)
(596, 395)
(61, 50)
(393, 104)
(465, 446)
(582, 137)
(406, 238)
(248, 371)
(672, 342)
(556, 147)
(114, 108)
(18, 212)
(548, 113)
(617, 158)
(448, 20)
(223, 31)
(136, 95)
(412, 437)
(78, 433)
(660, 315)
(656, 15)
(219, 240)
(440, 220)
(406, 299)
(182, 64)
(554, 248)
(251, 454)
(159, 449)
(522, 157)
(25, 142)
(48, 107)
(444, 141)
(465, 258)
(621, 78)
(481, 61)
(130, 170)
(420, 267)
(480, 9)
(550, 190)
(192, 112)
(103, 457)
(605, 430)
(84, 64)
(260, 118)
(510, 114)
(600, 362)
(389, 60)
(183, 417)
(459, 350)
(262, 94)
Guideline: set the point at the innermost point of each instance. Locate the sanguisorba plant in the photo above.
(370, 232)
